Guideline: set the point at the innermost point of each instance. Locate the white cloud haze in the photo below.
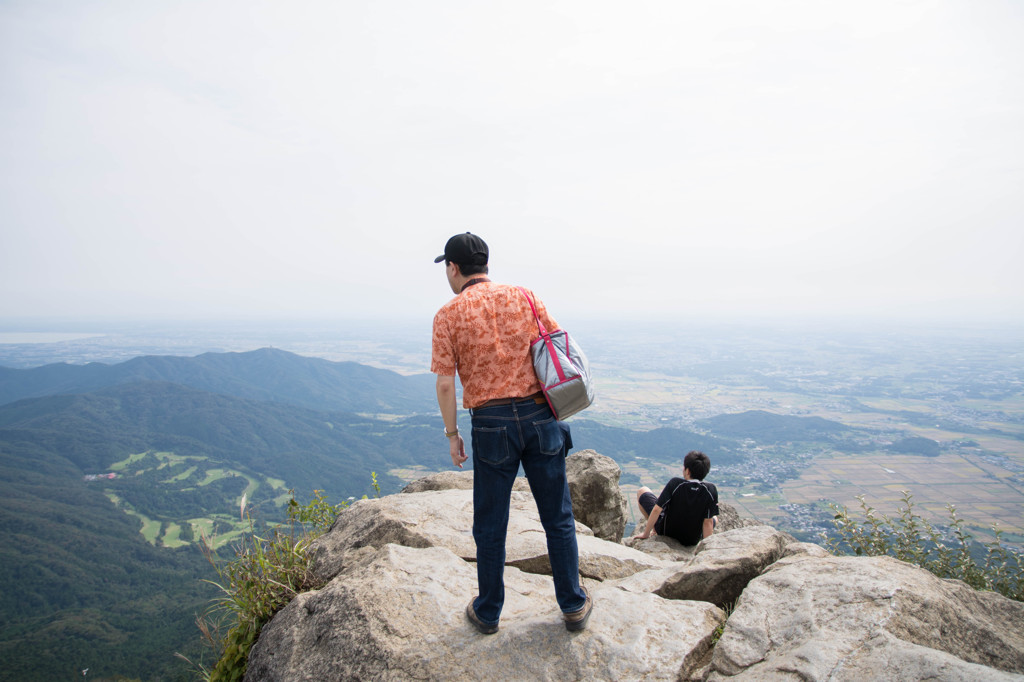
(309, 159)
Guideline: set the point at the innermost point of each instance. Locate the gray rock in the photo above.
(866, 618)
(662, 547)
(444, 480)
(599, 559)
(724, 564)
(444, 518)
(719, 570)
(400, 616)
(805, 549)
(730, 519)
(454, 480)
(597, 501)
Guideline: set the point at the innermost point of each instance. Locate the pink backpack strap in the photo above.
(540, 325)
(546, 337)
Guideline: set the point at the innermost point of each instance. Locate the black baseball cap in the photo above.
(465, 249)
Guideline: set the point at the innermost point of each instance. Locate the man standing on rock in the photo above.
(484, 335)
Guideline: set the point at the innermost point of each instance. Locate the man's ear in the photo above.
(455, 265)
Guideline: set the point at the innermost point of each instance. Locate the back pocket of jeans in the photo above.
(490, 444)
(550, 440)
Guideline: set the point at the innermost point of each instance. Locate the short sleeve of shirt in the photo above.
(442, 353)
(666, 492)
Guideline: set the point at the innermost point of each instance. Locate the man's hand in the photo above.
(652, 520)
(457, 449)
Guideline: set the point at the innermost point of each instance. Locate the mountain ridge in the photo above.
(267, 374)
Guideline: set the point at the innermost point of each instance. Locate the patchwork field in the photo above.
(148, 483)
(982, 493)
(959, 393)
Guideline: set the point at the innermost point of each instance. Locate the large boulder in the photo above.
(444, 518)
(593, 479)
(454, 480)
(725, 563)
(597, 501)
(661, 546)
(398, 615)
(729, 519)
(867, 618)
(720, 568)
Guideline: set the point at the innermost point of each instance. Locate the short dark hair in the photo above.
(698, 463)
(467, 269)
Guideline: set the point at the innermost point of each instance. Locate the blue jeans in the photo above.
(504, 436)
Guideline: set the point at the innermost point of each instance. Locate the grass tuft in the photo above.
(265, 574)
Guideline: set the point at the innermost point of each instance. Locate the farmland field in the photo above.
(963, 391)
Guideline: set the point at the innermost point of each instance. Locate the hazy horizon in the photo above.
(98, 324)
(404, 345)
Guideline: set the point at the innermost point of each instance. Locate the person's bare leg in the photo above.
(639, 494)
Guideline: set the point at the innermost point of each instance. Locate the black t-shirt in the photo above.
(685, 505)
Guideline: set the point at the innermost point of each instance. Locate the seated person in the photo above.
(687, 508)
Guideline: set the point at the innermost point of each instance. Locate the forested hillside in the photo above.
(328, 450)
(107, 571)
(774, 428)
(81, 586)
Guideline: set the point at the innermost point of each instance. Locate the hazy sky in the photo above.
(263, 159)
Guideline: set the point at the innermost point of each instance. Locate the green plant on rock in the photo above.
(913, 539)
(268, 570)
(720, 628)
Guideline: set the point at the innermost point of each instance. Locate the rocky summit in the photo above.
(748, 603)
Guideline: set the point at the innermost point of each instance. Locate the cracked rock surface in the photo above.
(865, 618)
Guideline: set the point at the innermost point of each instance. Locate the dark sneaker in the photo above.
(577, 620)
(483, 627)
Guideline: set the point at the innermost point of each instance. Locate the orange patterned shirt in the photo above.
(484, 335)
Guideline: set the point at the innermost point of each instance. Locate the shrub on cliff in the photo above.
(265, 574)
(913, 539)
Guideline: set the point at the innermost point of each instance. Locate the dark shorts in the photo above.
(647, 501)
